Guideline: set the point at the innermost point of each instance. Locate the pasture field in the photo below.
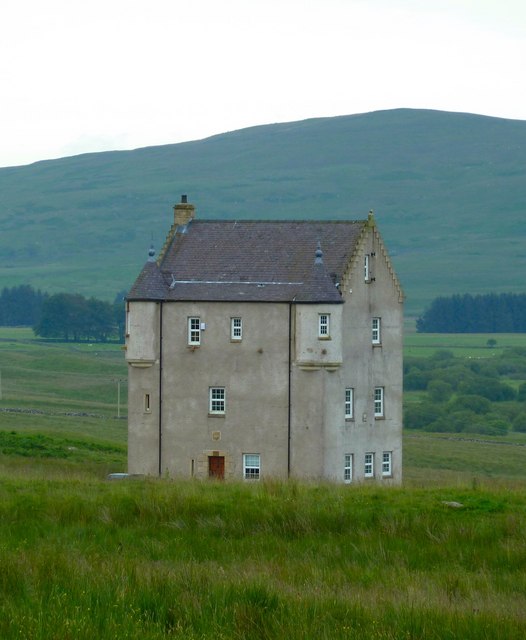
(82, 557)
(462, 345)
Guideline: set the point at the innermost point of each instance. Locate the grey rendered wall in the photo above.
(367, 366)
(254, 373)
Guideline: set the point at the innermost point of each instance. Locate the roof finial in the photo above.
(151, 253)
(319, 254)
(370, 218)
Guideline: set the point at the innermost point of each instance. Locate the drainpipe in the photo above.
(289, 393)
(160, 386)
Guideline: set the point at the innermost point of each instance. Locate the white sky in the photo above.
(92, 75)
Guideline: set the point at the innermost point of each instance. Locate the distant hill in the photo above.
(448, 191)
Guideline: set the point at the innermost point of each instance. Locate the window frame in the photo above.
(348, 468)
(251, 469)
(379, 402)
(324, 326)
(216, 401)
(366, 268)
(368, 469)
(147, 403)
(194, 334)
(236, 329)
(376, 330)
(349, 403)
(387, 464)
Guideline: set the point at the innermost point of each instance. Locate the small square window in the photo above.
(217, 400)
(194, 331)
(386, 463)
(376, 330)
(347, 469)
(349, 403)
(378, 402)
(236, 329)
(369, 465)
(324, 320)
(251, 466)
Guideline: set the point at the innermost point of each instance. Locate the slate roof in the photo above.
(256, 261)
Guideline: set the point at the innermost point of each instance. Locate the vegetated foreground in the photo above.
(161, 559)
(82, 557)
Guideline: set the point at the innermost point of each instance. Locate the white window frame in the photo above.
(236, 329)
(368, 470)
(348, 468)
(349, 403)
(217, 400)
(194, 331)
(324, 325)
(376, 330)
(379, 407)
(366, 274)
(251, 466)
(387, 463)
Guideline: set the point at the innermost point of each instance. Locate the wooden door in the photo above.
(216, 467)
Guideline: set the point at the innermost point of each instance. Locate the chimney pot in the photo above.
(184, 198)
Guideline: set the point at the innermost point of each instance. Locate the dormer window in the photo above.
(324, 326)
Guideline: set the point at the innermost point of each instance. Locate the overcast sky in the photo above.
(91, 75)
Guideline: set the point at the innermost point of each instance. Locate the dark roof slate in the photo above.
(259, 261)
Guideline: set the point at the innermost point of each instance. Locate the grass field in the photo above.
(462, 345)
(81, 557)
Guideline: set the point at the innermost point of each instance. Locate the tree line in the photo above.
(63, 316)
(486, 313)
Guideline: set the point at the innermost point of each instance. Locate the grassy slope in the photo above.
(448, 190)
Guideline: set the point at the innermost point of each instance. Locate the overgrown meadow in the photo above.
(85, 557)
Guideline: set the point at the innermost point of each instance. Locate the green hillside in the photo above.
(448, 190)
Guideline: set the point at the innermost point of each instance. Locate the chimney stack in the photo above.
(183, 212)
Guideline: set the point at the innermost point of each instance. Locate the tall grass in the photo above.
(81, 557)
(145, 559)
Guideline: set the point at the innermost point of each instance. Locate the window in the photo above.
(378, 402)
(366, 268)
(324, 325)
(217, 400)
(127, 318)
(194, 331)
(347, 469)
(147, 406)
(369, 465)
(376, 331)
(236, 329)
(251, 466)
(349, 403)
(386, 463)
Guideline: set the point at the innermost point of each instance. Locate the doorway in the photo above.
(216, 467)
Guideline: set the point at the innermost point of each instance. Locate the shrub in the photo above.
(477, 404)
(418, 416)
(519, 423)
(439, 391)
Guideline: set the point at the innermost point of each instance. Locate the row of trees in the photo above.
(470, 396)
(488, 313)
(21, 306)
(63, 316)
